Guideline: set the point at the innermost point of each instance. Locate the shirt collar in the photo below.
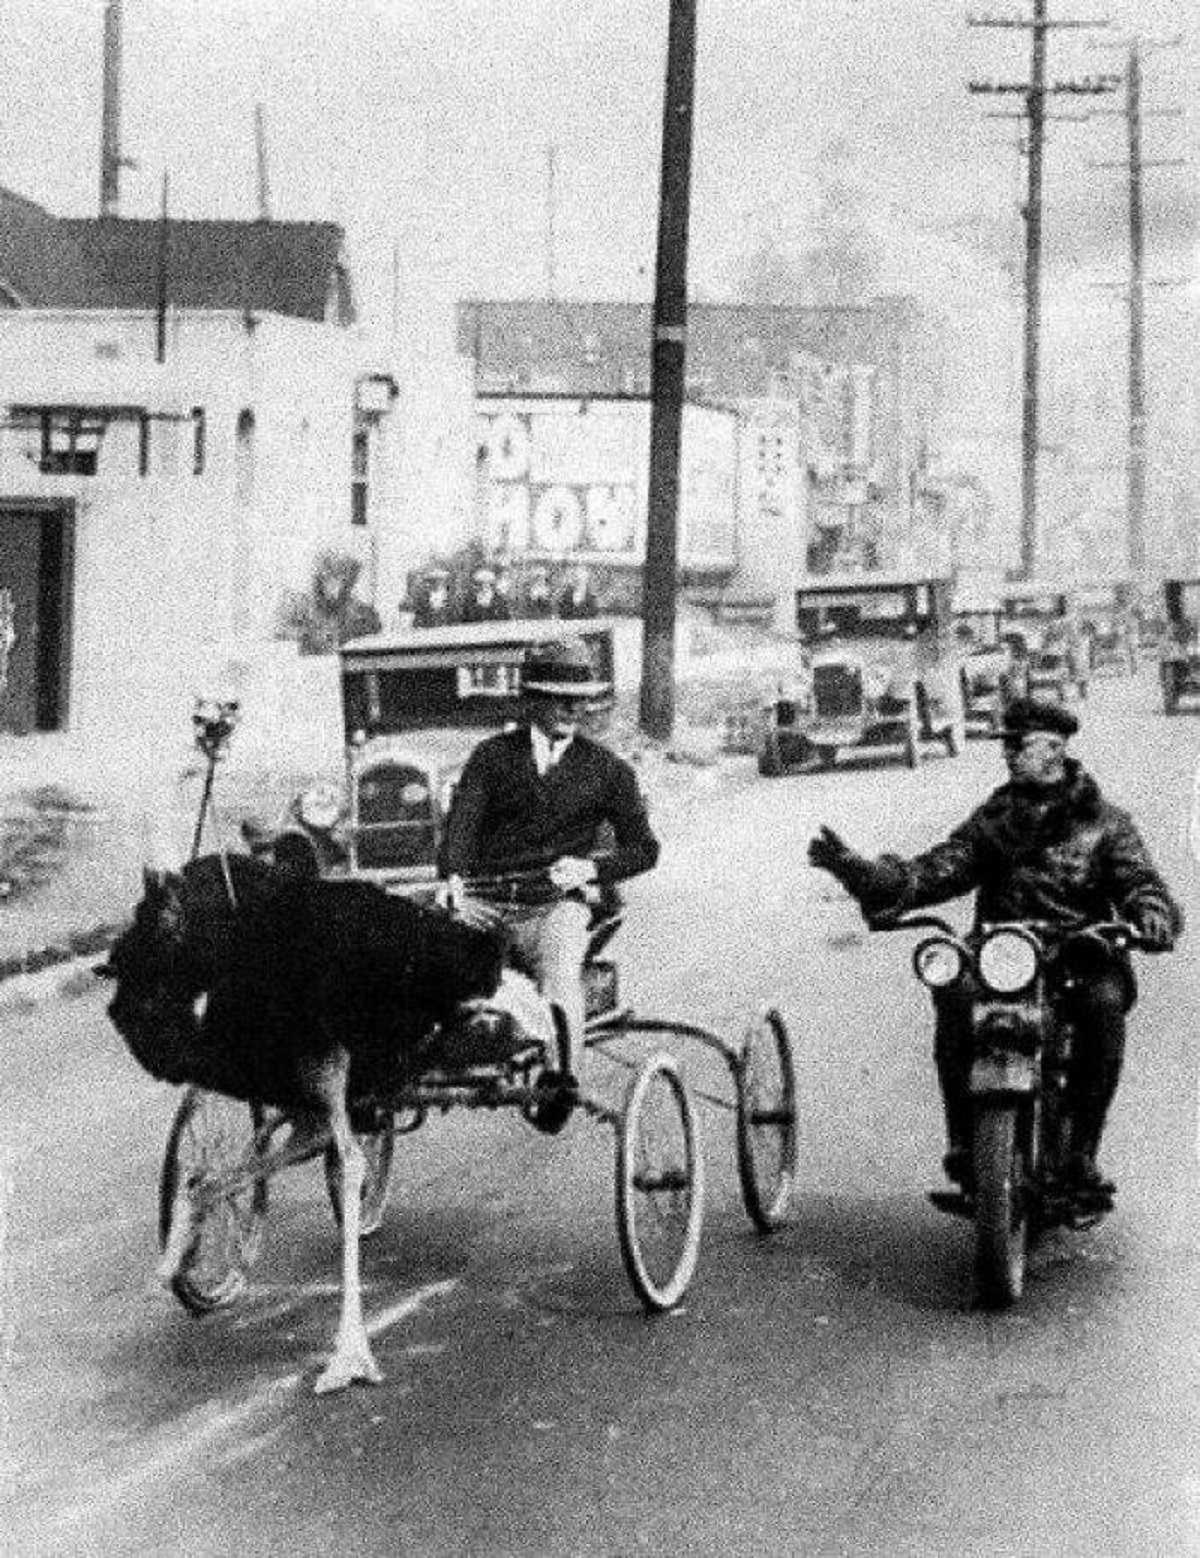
(546, 752)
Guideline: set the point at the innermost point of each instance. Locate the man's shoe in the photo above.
(1085, 1180)
(958, 1167)
(558, 1093)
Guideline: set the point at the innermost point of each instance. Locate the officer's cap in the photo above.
(1025, 715)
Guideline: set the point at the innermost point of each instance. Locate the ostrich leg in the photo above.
(352, 1358)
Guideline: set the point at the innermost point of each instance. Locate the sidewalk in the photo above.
(77, 826)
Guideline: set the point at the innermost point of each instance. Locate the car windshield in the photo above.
(448, 677)
(1048, 604)
(889, 614)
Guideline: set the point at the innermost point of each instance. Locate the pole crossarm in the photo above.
(1037, 23)
(1019, 113)
(1148, 162)
(1147, 113)
(1152, 281)
(1085, 86)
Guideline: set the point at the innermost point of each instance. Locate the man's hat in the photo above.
(484, 576)
(562, 669)
(435, 574)
(1025, 715)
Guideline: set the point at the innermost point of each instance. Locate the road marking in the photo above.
(408, 1306)
(194, 1432)
(204, 1428)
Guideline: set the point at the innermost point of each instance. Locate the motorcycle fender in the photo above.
(1002, 1073)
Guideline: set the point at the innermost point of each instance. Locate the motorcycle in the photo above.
(1022, 1038)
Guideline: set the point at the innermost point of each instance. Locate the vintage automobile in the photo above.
(1179, 651)
(882, 672)
(984, 659)
(414, 705)
(1044, 618)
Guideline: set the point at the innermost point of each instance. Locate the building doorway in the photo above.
(37, 563)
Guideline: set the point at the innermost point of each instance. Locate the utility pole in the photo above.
(551, 221)
(164, 272)
(1136, 449)
(111, 161)
(260, 158)
(659, 577)
(1035, 92)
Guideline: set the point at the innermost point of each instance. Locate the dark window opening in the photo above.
(70, 443)
(360, 463)
(199, 435)
(143, 445)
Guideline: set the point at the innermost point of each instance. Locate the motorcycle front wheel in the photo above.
(1001, 1207)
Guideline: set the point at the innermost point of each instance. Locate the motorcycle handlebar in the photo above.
(1111, 933)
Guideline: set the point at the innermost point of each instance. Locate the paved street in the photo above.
(828, 1391)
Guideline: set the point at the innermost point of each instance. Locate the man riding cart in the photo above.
(1045, 848)
(544, 822)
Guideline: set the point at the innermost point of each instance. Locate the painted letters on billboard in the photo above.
(568, 479)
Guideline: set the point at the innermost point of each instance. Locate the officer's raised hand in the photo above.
(877, 884)
(830, 853)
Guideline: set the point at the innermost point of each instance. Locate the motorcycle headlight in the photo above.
(937, 963)
(1008, 961)
(319, 807)
(446, 793)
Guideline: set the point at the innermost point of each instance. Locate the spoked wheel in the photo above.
(1002, 1223)
(377, 1147)
(912, 740)
(210, 1135)
(660, 1184)
(766, 1121)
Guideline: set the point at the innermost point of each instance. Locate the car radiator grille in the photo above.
(394, 818)
(837, 690)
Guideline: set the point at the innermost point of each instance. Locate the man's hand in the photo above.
(452, 896)
(449, 894)
(570, 873)
(865, 880)
(1156, 928)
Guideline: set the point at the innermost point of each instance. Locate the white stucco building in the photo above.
(167, 476)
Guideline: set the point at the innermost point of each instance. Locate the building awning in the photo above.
(113, 390)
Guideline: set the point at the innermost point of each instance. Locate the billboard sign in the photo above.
(567, 479)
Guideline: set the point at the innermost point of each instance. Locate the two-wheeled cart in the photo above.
(659, 1168)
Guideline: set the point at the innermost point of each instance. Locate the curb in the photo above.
(52, 956)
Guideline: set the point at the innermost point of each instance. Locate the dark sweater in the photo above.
(506, 817)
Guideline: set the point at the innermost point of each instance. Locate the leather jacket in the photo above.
(1067, 857)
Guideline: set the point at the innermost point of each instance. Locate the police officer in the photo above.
(1045, 846)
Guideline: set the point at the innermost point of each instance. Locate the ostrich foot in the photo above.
(352, 1360)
